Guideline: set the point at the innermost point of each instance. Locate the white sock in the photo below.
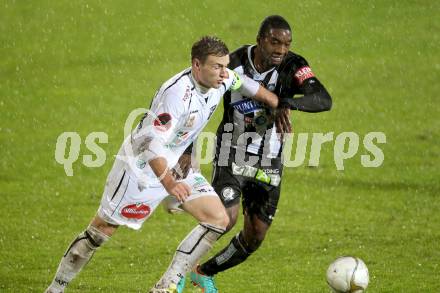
(196, 244)
(76, 257)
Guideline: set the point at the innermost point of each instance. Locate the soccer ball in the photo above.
(348, 274)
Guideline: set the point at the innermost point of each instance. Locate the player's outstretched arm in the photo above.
(250, 88)
(267, 97)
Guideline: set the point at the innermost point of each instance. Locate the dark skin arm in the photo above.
(315, 99)
(282, 120)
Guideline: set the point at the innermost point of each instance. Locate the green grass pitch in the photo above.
(84, 65)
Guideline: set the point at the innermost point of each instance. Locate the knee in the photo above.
(219, 219)
(86, 243)
(100, 228)
(224, 220)
(256, 238)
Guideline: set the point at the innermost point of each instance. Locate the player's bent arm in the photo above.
(267, 97)
(180, 190)
(251, 88)
(316, 98)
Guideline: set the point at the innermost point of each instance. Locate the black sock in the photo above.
(233, 254)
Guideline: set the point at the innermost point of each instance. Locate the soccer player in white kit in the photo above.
(142, 175)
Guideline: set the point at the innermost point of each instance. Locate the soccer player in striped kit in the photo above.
(248, 156)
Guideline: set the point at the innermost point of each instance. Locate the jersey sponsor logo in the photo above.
(272, 171)
(163, 122)
(246, 106)
(262, 176)
(303, 73)
(136, 211)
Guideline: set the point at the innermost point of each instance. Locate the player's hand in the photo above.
(282, 121)
(180, 190)
(182, 167)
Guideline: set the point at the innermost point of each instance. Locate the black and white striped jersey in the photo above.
(249, 123)
(248, 119)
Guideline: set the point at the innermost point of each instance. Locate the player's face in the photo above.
(212, 72)
(274, 47)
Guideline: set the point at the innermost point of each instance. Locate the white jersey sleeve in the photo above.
(159, 124)
(241, 83)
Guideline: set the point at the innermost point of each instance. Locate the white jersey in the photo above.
(178, 113)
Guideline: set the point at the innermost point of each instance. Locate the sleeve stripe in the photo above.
(177, 79)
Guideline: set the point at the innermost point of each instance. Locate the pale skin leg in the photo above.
(103, 226)
(211, 215)
(207, 209)
(80, 252)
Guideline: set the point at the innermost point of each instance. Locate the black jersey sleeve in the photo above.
(296, 77)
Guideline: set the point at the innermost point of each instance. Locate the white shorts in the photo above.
(125, 203)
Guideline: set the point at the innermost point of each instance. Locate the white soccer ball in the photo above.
(348, 274)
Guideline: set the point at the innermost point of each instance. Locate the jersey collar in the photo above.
(199, 88)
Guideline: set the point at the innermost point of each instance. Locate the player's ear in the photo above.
(196, 63)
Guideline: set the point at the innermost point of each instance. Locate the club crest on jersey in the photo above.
(136, 211)
(303, 73)
(246, 106)
(163, 122)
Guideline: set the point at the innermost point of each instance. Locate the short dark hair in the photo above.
(208, 45)
(270, 22)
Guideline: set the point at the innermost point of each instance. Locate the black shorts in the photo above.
(259, 198)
